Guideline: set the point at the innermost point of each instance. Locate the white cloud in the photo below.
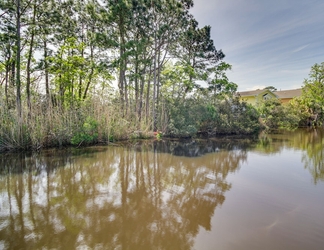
(300, 48)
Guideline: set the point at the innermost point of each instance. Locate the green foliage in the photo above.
(176, 80)
(299, 109)
(197, 49)
(271, 112)
(308, 109)
(67, 67)
(246, 118)
(158, 135)
(312, 98)
(183, 122)
(293, 117)
(228, 116)
(88, 133)
(275, 116)
(219, 85)
(271, 88)
(66, 72)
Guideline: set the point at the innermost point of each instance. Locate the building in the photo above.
(255, 96)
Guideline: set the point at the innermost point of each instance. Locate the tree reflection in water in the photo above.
(313, 157)
(152, 195)
(310, 141)
(114, 197)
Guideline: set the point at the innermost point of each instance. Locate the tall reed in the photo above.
(48, 125)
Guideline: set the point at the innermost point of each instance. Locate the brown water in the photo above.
(266, 193)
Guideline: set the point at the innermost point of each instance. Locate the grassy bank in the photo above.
(93, 122)
(54, 126)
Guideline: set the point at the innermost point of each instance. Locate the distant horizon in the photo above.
(267, 43)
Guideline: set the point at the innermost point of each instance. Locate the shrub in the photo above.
(88, 133)
(275, 116)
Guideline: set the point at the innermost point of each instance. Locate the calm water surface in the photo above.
(263, 193)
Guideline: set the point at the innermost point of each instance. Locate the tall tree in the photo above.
(168, 18)
(31, 34)
(47, 21)
(219, 84)
(197, 50)
(7, 45)
(119, 13)
(141, 55)
(313, 93)
(12, 12)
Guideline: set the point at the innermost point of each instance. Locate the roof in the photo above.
(252, 92)
(288, 93)
(280, 94)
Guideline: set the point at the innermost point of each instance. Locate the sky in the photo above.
(267, 42)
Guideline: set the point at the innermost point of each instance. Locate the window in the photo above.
(266, 97)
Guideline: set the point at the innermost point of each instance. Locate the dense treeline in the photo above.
(60, 61)
(85, 71)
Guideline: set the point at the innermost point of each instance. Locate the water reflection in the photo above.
(313, 157)
(151, 195)
(310, 141)
(113, 198)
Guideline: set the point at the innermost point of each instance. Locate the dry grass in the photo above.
(54, 126)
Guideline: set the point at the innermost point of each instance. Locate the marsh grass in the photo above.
(89, 122)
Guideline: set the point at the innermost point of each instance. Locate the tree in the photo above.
(197, 50)
(119, 16)
(271, 88)
(47, 20)
(67, 68)
(32, 34)
(65, 52)
(168, 18)
(140, 55)
(7, 47)
(12, 18)
(313, 94)
(219, 85)
(275, 116)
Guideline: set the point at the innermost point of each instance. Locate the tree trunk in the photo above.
(154, 79)
(46, 71)
(90, 75)
(122, 62)
(148, 96)
(30, 54)
(7, 83)
(140, 106)
(136, 84)
(18, 48)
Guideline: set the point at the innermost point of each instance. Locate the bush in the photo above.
(226, 116)
(182, 121)
(88, 133)
(230, 116)
(275, 116)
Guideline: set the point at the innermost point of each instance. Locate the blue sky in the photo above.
(268, 42)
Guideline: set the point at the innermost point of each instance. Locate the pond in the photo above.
(253, 193)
